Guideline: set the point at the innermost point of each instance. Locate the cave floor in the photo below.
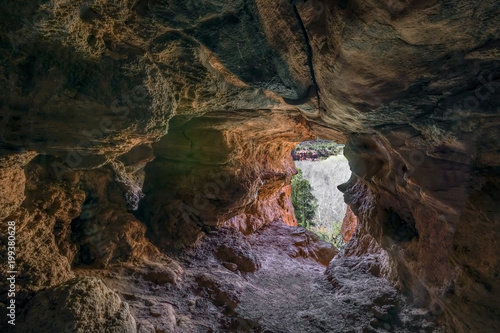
(284, 295)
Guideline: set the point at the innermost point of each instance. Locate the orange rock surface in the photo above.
(132, 130)
(349, 224)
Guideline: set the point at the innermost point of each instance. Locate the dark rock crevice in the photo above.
(198, 104)
(313, 90)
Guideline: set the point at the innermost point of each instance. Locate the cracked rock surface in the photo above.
(133, 130)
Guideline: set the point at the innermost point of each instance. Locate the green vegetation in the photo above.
(317, 150)
(304, 202)
(305, 206)
(322, 178)
(333, 236)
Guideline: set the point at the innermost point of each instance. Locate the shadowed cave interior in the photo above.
(146, 165)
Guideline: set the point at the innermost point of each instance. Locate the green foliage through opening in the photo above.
(317, 203)
(304, 202)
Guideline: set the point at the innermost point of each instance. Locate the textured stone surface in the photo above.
(220, 167)
(80, 305)
(41, 224)
(12, 180)
(107, 231)
(214, 89)
(285, 289)
(349, 224)
(297, 242)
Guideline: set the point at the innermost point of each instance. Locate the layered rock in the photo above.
(221, 167)
(218, 94)
(420, 159)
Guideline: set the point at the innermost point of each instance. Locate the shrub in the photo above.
(324, 177)
(304, 202)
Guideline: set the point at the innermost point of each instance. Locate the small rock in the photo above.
(160, 275)
(185, 324)
(380, 313)
(166, 321)
(145, 327)
(241, 256)
(162, 310)
(155, 311)
(368, 330)
(220, 294)
(232, 267)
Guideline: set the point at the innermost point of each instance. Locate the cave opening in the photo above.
(146, 169)
(318, 204)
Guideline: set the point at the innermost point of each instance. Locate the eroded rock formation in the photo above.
(132, 129)
(80, 305)
(349, 224)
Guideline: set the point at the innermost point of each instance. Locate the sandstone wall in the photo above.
(158, 105)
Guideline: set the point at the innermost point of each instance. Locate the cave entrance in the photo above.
(318, 204)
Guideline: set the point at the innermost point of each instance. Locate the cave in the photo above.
(146, 167)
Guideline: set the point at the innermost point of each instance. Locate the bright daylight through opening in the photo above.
(157, 172)
(318, 204)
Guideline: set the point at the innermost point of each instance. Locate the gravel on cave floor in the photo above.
(284, 295)
(294, 295)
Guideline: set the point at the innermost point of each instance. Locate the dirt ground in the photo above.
(266, 287)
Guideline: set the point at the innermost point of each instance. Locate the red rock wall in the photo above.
(220, 169)
(349, 224)
(218, 96)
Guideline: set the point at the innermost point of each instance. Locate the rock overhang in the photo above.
(411, 88)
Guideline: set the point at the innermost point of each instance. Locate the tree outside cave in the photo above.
(304, 203)
(318, 204)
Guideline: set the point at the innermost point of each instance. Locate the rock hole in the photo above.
(318, 204)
